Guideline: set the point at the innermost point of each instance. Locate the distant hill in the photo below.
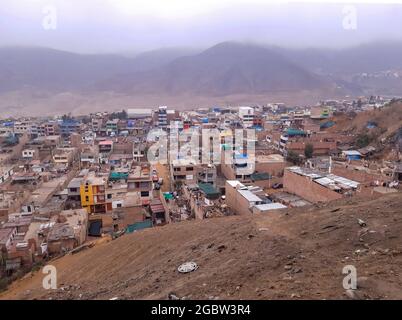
(157, 58)
(227, 68)
(55, 70)
(372, 57)
(49, 69)
(374, 68)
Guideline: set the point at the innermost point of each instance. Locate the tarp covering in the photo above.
(168, 195)
(118, 175)
(139, 226)
(295, 132)
(257, 176)
(327, 124)
(209, 190)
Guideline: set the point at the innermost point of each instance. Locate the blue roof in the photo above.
(257, 127)
(238, 155)
(327, 124)
(69, 121)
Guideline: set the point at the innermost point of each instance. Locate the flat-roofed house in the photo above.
(184, 171)
(243, 199)
(140, 181)
(316, 186)
(69, 231)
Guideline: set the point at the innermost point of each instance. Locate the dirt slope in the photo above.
(388, 119)
(297, 255)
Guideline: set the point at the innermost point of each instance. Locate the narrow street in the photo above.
(163, 172)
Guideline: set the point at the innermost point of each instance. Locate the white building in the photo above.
(28, 153)
(246, 115)
(5, 173)
(139, 113)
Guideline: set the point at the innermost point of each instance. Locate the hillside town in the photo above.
(69, 182)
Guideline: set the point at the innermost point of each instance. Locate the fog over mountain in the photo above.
(55, 70)
(224, 69)
(115, 26)
(368, 57)
(71, 55)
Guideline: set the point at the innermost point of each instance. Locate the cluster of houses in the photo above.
(66, 181)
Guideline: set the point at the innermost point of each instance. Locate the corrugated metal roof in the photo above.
(270, 206)
(157, 208)
(352, 153)
(328, 180)
(306, 172)
(251, 197)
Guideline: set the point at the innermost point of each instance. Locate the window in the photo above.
(144, 193)
(189, 169)
(119, 205)
(145, 184)
(109, 196)
(86, 198)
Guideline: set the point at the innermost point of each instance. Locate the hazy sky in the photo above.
(138, 25)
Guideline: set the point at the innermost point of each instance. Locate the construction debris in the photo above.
(361, 223)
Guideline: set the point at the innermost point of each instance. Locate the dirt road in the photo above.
(163, 172)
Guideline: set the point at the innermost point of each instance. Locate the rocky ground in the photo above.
(298, 254)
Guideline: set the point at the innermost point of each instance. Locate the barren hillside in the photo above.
(388, 119)
(298, 254)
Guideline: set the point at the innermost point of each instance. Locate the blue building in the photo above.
(69, 126)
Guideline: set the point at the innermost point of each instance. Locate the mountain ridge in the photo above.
(224, 69)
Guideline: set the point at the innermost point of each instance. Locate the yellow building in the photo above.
(93, 195)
